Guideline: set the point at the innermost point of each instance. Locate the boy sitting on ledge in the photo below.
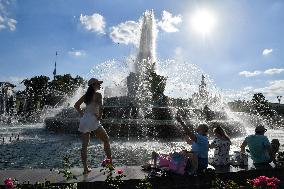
(200, 144)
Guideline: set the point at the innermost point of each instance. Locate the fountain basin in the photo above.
(67, 121)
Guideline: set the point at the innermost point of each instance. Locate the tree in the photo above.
(260, 105)
(240, 105)
(158, 85)
(39, 91)
(36, 88)
(65, 85)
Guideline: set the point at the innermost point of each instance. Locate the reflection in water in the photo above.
(38, 148)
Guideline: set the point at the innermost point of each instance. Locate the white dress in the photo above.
(89, 122)
(221, 153)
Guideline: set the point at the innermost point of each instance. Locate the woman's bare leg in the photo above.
(85, 137)
(102, 135)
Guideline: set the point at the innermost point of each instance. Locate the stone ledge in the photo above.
(135, 174)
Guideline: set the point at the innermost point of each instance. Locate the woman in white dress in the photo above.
(221, 144)
(90, 120)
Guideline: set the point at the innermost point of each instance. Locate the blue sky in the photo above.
(243, 53)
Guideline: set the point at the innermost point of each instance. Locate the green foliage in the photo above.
(36, 88)
(260, 105)
(220, 184)
(39, 91)
(157, 84)
(257, 105)
(44, 185)
(144, 184)
(65, 84)
(240, 106)
(39, 86)
(113, 180)
(67, 174)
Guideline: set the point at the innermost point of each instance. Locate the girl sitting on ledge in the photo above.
(221, 144)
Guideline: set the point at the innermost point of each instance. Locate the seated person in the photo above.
(275, 144)
(259, 147)
(179, 162)
(200, 143)
(221, 144)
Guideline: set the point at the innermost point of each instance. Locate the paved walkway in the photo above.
(40, 175)
(134, 173)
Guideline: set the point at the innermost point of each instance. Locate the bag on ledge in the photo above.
(178, 163)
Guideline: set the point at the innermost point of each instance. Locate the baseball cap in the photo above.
(94, 80)
(260, 128)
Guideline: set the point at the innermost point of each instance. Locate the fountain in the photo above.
(146, 110)
(136, 116)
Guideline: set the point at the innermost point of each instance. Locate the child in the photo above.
(221, 144)
(200, 143)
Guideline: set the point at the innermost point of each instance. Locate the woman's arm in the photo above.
(77, 105)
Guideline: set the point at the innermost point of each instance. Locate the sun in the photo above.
(203, 21)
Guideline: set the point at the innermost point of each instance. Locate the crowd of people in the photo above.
(262, 151)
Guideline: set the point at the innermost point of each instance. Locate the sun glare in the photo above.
(203, 22)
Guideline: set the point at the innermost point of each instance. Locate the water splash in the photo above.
(146, 56)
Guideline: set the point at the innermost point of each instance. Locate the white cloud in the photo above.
(5, 20)
(126, 33)
(1, 19)
(248, 88)
(129, 32)
(274, 88)
(273, 71)
(250, 74)
(270, 91)
(12, 24)
(14, 80)
(243, 94)
(169, 22)
(2, 27)
(77, 53)
(93, 23)
(266, 52)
